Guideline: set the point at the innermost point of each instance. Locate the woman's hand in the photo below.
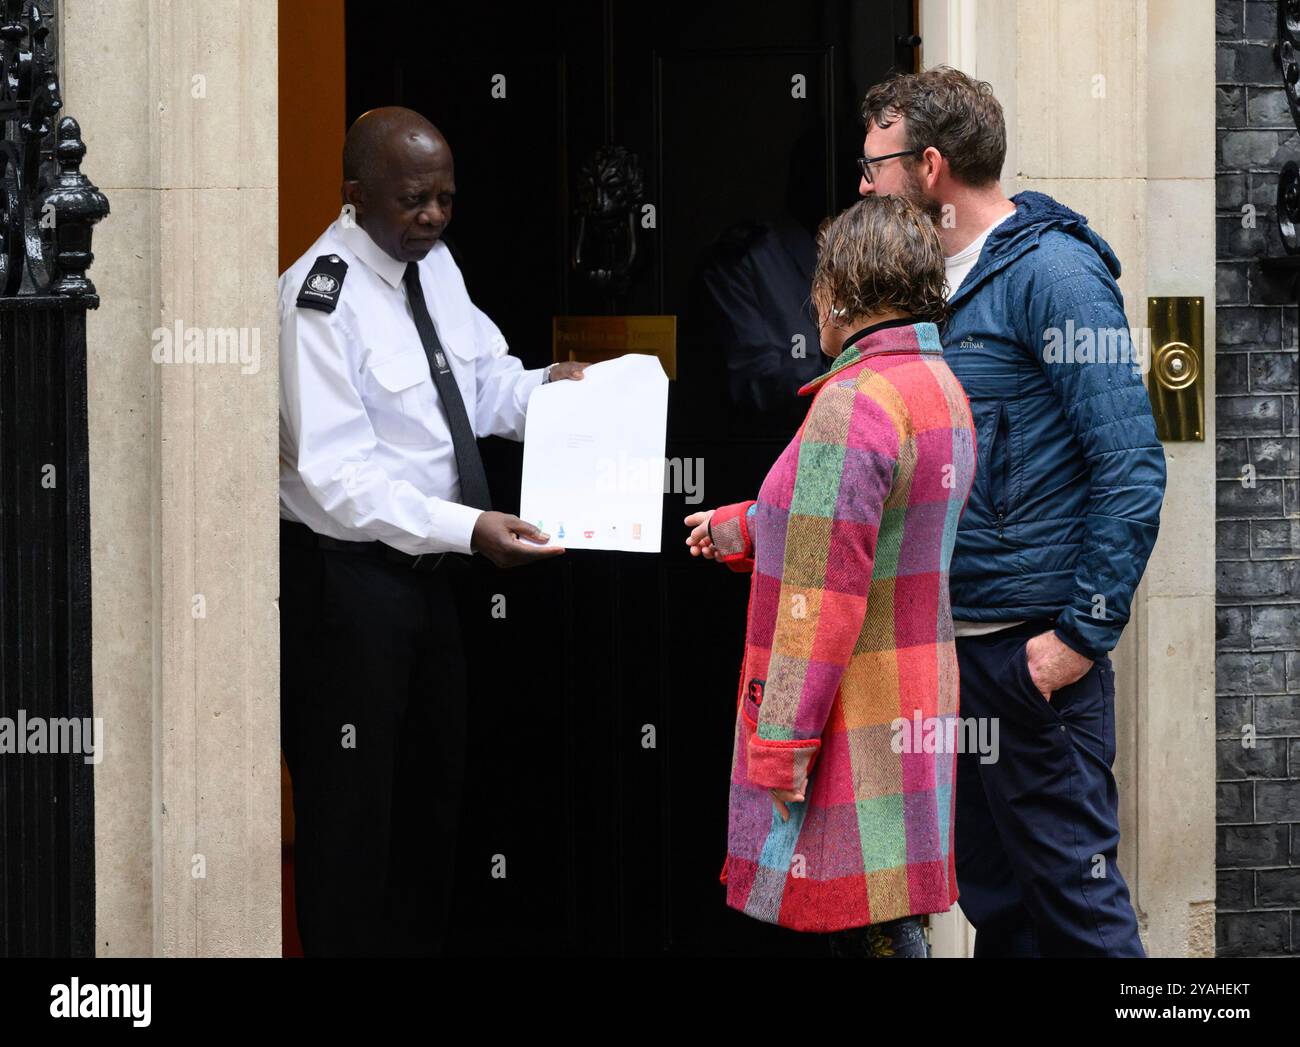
(698, 540)
(781, 797)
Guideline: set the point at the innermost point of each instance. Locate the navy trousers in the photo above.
(1037, 829)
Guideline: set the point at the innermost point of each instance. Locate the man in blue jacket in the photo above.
(1058, 528)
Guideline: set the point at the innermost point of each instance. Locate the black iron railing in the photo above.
(47, 733)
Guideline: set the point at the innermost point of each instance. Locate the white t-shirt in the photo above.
(956, 267)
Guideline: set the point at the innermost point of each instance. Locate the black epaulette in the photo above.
(324, 284)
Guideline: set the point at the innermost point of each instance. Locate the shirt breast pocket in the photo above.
(399, 397)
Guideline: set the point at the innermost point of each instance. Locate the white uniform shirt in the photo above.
(365, 450)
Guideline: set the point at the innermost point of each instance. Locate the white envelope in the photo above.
(594, 456)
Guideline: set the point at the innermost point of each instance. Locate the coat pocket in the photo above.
(746, 729)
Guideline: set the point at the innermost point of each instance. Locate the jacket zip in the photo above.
(1002, 442)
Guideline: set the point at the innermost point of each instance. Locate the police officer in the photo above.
(388, 372)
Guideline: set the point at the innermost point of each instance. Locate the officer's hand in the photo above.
(501, 538)
(567, 369)
(698, 540)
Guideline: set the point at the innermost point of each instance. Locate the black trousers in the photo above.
(1038, 828)
(373, 724)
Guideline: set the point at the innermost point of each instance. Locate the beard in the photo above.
(914, 193)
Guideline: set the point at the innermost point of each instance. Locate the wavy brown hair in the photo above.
(945, 108)
(881, 254)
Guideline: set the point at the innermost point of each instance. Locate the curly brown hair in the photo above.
(881, 254)
(945, 108)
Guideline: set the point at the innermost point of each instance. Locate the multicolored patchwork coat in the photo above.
(849, 639)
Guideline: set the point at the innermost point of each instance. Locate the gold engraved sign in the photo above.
(591, 339)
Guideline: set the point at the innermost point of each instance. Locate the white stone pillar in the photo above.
(1110, 109)
(177, 101)
(1173, 787)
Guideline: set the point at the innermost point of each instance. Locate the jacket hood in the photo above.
(1037, 213)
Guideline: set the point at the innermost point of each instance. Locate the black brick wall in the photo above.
(1258, 557)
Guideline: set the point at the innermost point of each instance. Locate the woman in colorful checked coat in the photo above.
(849, 640)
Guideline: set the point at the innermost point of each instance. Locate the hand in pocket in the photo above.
(1052, 665)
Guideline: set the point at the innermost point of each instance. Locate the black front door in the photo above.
(605, 683)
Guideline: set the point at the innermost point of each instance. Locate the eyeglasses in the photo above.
(865, 162)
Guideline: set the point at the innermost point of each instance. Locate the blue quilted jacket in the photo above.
(1071, 475)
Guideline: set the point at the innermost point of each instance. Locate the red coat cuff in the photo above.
(729, 531)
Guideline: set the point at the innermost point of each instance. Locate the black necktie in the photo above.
(473, 481)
